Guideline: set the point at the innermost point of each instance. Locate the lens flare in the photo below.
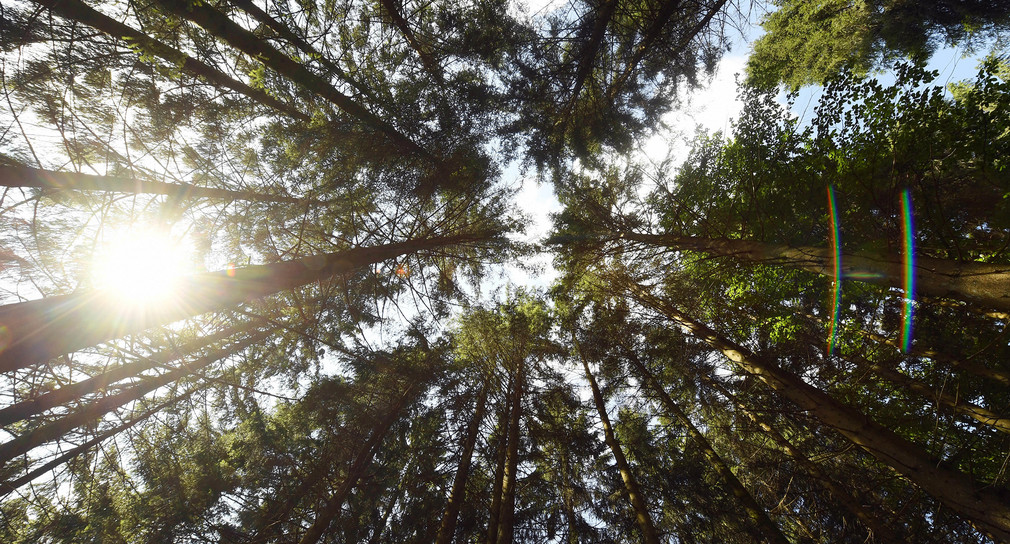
(836, 269)
(138, 266)
(908, 280)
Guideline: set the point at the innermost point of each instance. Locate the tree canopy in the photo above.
(251, 287)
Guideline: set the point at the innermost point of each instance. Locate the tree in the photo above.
(809, 42)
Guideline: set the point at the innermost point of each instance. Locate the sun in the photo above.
(139, 265)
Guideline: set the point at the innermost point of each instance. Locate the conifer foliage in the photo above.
(797, 335)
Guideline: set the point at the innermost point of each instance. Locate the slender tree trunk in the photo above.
(987, 285)
(953, 402)
(915, 351)
(23, 176)
(362, 461)
(878, 530)
(37, 405)
(400, 23)
(666, 12)
(506, 520)
(79, 11)
(99, 408)
(224, 28)
(642, 515)
(494, 513)
(987, 507)
(286, 33)
(39, 330)
(767, 530)
(447, 528)
(587, 54)
(12, 485)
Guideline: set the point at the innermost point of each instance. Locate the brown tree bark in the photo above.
(39, 330)
(457, 494)
(97, 409)
(878, 530)
(429, 63)
(494, 513)
(767, 531)
(506, 518)
(23, 176)
(41, 403)
(631, 487)
(987, 507)
(224, 28)
(79, 11)
(366, 453)
(986, 285)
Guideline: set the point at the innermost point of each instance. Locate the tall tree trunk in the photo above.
(12, 485)
(987, 285)
(506, 520)
(587, 54)
(954, 402)
(286, 33)
(37, 405)
(494, 513)
(39, 330)
(878, 530)
(642, 515)
(220, 26)
(79, 11)
(916, 351)
(447, 528)
(767, 530)
(429, 63)
(362, 461)
(23, 176)
(987, 507)
(97, 409)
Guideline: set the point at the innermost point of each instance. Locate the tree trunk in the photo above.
(79, 11)
(987, 507)
(987, 285)
(12, 485)
(587, 54)
(447, 528)
(37, 405)
(224, 28)
(767, 530)
(39, 330)
(363, 459)
(642, 515)
(97, 409)
(499, 472)
(878, 531)
(23, 176)
(286, 33)
(506, 520)
(401, 24)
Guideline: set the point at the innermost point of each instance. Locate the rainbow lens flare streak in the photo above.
(836, 256)
(908, 269)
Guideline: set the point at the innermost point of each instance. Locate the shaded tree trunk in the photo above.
(642, 515)
(506, 519)
(224, 28)
(39, 330)
(767, 530)
(987, 507)
(362, 461)
(23, 176)
(12, 485)
(987, 285)
(499, 471)
(67, 393)
(447, 528)
(99, 408)
(878, 530)
(429, 63)
(79, 11)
